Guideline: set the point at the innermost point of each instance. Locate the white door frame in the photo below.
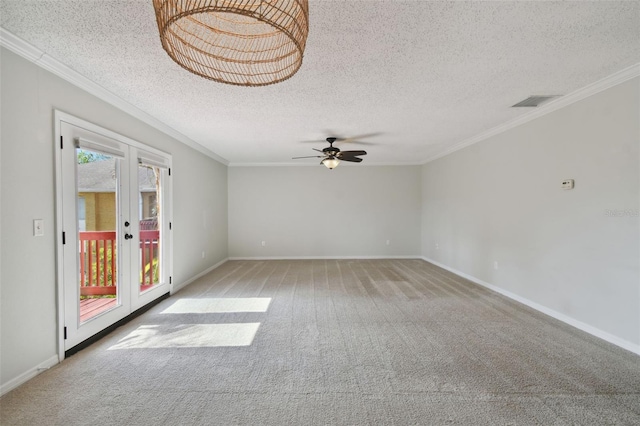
(141, 299)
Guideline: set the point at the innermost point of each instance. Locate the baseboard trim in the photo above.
(322, 257)
(32, 372)
(28, 375)
(543, 309)
(177, 288)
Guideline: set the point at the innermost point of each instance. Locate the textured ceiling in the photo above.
(420, 75)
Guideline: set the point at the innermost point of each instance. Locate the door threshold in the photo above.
(91, 340)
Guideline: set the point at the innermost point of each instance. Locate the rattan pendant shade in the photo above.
(241, 42)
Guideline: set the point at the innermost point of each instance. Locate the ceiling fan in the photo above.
(332, 156)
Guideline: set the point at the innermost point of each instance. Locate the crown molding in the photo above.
(19, 46)
(346, 164)
(41, 59)
(274, 164)
(554, 105)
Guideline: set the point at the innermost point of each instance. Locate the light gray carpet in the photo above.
(343, 342)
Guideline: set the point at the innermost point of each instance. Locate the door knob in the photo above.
(126, 223)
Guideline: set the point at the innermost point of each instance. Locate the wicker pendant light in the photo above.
(241, 42)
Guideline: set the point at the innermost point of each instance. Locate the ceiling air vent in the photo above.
(534, 101)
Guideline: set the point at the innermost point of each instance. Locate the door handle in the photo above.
(128, 236)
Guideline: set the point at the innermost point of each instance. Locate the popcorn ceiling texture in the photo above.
(424, 75)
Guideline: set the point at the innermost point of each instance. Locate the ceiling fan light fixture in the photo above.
(331, 163)
(239, 42)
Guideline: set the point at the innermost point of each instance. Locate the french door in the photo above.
(114, 221)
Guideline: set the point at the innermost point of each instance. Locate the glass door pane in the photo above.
(149, 196)
(97, 216)
(114, 239)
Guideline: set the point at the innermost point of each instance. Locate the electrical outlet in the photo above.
(203, 254)
(264, 243)
(495, 265)
(388, 242)
(567, 184)
(437, 246)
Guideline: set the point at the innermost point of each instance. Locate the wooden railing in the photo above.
(97, 263)
(98, 275)
(149, 254)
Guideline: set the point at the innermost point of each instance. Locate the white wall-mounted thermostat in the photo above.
(567, 184)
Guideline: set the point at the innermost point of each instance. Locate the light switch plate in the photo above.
(38, 227)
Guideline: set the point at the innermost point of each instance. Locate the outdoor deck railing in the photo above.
(98, 275)
(149, 255)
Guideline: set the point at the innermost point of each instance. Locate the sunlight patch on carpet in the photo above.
(189, 336)
(219, 305)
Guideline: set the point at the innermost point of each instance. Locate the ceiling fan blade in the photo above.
(309, 156)
(316, 149)
(354, 139)
(351, 153)
(351, 159)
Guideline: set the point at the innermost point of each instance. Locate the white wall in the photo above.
(313, 211)
(500, 200)
(29, 95)
(496, 200)
(200, 214)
